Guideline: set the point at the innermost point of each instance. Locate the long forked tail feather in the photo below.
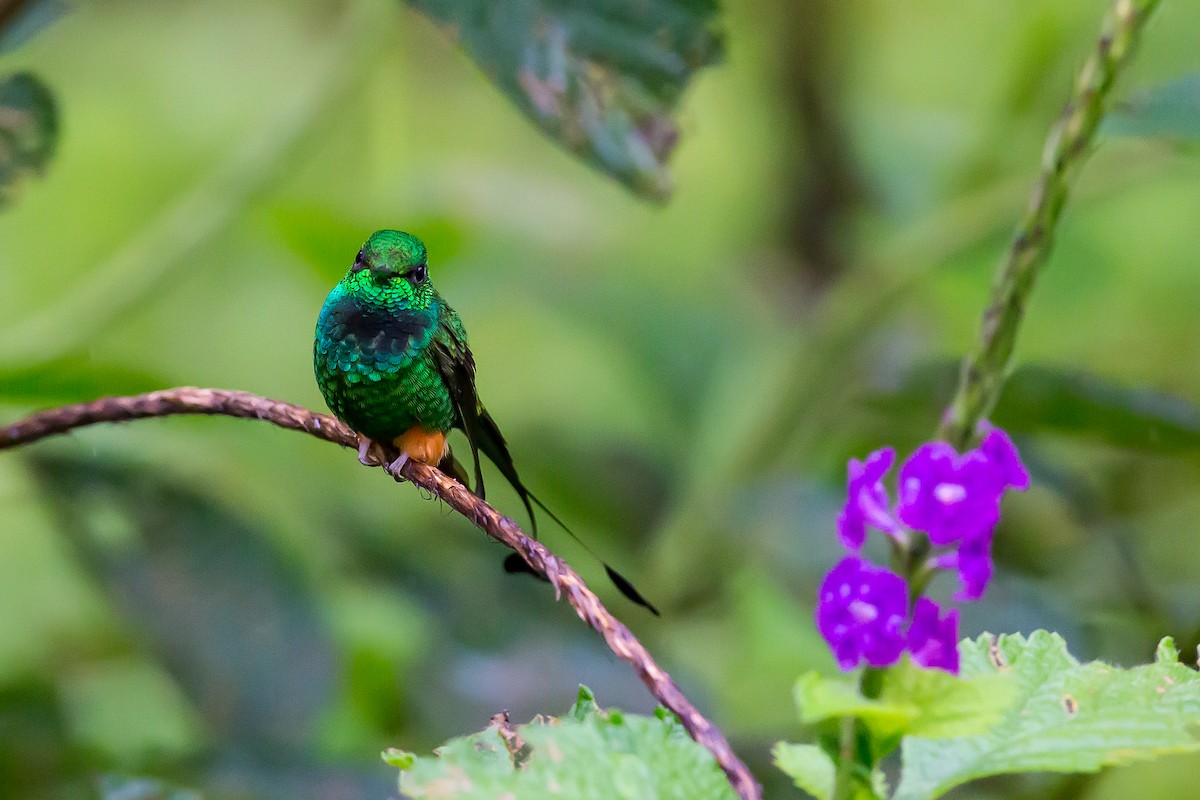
(514, 562)
(620, 581)
(485, 437)
(457, 367)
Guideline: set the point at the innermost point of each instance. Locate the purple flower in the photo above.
(1003, 454)
(950, 497)
(974, 565)
(861, 612)
(866, 500)
(932, 638)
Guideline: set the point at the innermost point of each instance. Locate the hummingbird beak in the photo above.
(377, 271)
(383, 272)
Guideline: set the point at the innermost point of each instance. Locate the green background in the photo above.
(249, 612)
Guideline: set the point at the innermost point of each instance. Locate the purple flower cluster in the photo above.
(863, 609)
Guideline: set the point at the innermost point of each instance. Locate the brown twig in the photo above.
(222, 402)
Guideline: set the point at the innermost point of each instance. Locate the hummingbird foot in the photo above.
(398, 464)
(369, 452)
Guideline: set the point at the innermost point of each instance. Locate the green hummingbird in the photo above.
(392, 361)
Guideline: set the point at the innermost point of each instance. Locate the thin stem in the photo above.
(985, 369)
(843, 786)
(190, 400)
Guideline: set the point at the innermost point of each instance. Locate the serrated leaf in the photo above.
(809, 767)
(1168, 110)
(603, 79)
(1166, 652)
(590, 753)
(585, 704)
(1066, 717)
(28, 131)
(400, 759)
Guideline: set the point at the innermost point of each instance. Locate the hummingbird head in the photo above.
(393, 268)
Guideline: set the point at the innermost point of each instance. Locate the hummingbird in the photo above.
(392, 362)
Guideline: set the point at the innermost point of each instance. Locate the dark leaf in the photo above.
(72, 380)
(28, 131)
(1047, 399)
(225, 611)
(37, 757)
(603, 78)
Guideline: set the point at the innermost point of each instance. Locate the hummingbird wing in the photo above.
(457, 367)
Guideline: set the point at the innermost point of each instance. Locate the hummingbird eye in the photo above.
(417, 274)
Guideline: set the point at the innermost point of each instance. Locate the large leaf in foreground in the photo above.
(1068, 717)
(602, 78)
(588, 753)
(28, 131)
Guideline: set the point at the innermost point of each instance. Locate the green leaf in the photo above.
(1169, 110)
(601, 78)
(28, 131)
(400, 759)
(1066, 717)
(819, 698)
(948, 705)
(809, 767)
(73, 379)
(589, 753)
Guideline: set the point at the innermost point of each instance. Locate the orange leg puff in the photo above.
(419, 444)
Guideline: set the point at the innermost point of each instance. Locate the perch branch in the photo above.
(985, 369)
(220, 402)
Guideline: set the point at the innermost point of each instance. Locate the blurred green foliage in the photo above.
(248, 613)
(28, 130)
